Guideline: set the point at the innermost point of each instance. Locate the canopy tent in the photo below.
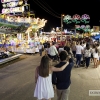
(97, 37)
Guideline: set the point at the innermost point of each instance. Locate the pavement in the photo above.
(17, 80)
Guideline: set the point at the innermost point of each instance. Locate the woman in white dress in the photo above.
(95, 57)
(43, 76)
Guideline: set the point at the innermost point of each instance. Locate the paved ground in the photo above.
(17, 80)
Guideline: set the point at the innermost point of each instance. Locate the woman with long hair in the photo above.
(43, 77)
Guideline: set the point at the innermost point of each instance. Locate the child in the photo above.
(43, 77)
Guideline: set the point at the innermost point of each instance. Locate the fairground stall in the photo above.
(19, 34)
(19, 27)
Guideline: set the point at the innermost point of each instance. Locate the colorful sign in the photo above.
(5, 1)
(12, 6)
(85, 18)
(77, 19)
(85, 28)
(16, 21)
(13, 10)
(11, 29)
(13, 24)
(67, 19)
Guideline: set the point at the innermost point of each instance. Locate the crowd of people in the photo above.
(82, 51)
(49, 78)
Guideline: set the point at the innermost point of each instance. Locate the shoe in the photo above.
(75, 66)
(78, 66)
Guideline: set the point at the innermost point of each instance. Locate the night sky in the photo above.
(70, 7)
(52, 9)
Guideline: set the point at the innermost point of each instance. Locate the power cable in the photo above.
(50, 12)
(44, 8)
(50, 8)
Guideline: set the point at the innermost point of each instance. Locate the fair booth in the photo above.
(18, 35)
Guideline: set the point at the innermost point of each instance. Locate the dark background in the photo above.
(52, 9)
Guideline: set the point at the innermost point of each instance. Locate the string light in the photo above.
(85, 28)
(77, 19)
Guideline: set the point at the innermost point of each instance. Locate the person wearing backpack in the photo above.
(87, 55)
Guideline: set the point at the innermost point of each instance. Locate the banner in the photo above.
(10, 28)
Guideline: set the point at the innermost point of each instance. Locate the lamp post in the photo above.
(62, 15)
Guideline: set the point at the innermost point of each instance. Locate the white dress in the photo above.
(95, 55)
(44, 88)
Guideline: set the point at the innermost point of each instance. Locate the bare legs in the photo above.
(95, 62)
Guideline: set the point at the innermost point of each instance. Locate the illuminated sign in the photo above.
(13, 10)
(12, 6)
(85, 28)
(5, 1)
(76, 19)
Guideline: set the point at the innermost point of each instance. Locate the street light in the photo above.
(62, 15)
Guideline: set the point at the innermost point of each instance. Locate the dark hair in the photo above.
(53, 43)
(96, 50)
(87, 46)
(97, 44)
(48, 45)
(94, 46)
(70, 60)
(44, 66)
(83, 42)
(63, 55)
(80, 43)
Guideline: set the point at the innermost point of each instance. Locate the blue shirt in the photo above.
(62, 79)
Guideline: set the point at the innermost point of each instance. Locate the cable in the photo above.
(50, 8)
(44, 8)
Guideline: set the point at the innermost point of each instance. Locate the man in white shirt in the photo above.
(53, 51)
(79, 51)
